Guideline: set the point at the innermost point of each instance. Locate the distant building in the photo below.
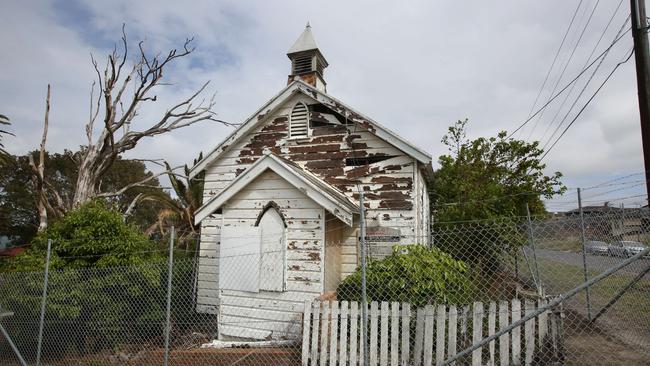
(11, 251)
(614, 222)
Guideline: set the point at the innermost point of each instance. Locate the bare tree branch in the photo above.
(140, 183)
(131, 206)
(119, 110)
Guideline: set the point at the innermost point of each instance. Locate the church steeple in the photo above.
(307, 62)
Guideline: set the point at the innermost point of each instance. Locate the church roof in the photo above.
(305, 42)
(320, 97)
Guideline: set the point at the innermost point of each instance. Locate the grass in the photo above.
(630, 313)
(572, 244)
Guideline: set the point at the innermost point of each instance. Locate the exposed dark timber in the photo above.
(334, 155)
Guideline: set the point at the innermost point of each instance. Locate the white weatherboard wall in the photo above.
(274, 314)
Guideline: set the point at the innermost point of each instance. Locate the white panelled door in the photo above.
(273, 251)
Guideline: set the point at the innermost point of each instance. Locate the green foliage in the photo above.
(179, 212)
(17, 197)
(90, 308)
(490, 177)
(89, 236)
(414, 274)
(487, 179)
(106, 285)
(124, 172)
(18, 215)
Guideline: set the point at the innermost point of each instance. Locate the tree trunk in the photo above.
(39, 170)
(42, 212)
(88, 176)
(85, 189)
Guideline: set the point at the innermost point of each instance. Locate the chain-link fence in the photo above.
(561, 289)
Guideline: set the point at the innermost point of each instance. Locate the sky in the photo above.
(416, 67)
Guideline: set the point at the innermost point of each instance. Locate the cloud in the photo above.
(415, 69)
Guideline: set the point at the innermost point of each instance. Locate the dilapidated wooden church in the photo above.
(280, 214)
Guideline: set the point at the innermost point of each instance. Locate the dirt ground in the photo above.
(193, 357)
(223, 357)
(585, 343)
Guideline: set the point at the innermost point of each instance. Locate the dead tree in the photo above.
(117, 108)
(122, 91)
(39, 171)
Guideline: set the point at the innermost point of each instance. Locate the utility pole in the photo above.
(642, 60)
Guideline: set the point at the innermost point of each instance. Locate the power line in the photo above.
(566, 86)
(619, 184)
(615, 180)
(557, 53)
(593, 50)
(587, 103)
(575, 47)
(615, 190)
(575, 102)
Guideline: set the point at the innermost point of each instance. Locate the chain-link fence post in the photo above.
(8, 339)
(531, 238)
(170, 268)
(364, 298)
(41, 325)
(195, 269)
(584, 251)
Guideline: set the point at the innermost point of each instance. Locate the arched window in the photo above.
(299, 121)
(272, 249)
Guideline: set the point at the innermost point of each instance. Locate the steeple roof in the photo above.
(305, 42)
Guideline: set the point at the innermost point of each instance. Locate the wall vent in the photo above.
(299, 121)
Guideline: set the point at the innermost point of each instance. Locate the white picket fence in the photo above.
(332, 331)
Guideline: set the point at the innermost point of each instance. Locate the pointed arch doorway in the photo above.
(272, 259)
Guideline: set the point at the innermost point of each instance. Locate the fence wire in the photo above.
(296, 303)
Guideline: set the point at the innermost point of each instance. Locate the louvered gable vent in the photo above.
(299, 122)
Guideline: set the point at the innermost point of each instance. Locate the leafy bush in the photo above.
(94, 306)
(414, 274)
(90, 236)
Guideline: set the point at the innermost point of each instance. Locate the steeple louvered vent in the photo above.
(302, 65)
(299, 121)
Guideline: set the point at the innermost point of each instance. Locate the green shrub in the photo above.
(414, 274)
(106, 287)
(90, 236)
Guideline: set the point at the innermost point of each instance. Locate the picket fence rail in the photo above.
(332, 333)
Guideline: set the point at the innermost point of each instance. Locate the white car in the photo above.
(626, 248)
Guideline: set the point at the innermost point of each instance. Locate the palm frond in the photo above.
(5, 157)
(178, 186)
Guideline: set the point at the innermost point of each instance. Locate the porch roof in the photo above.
(331, 199)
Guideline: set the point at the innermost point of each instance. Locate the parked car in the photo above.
(597, 247)
(626, 248)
